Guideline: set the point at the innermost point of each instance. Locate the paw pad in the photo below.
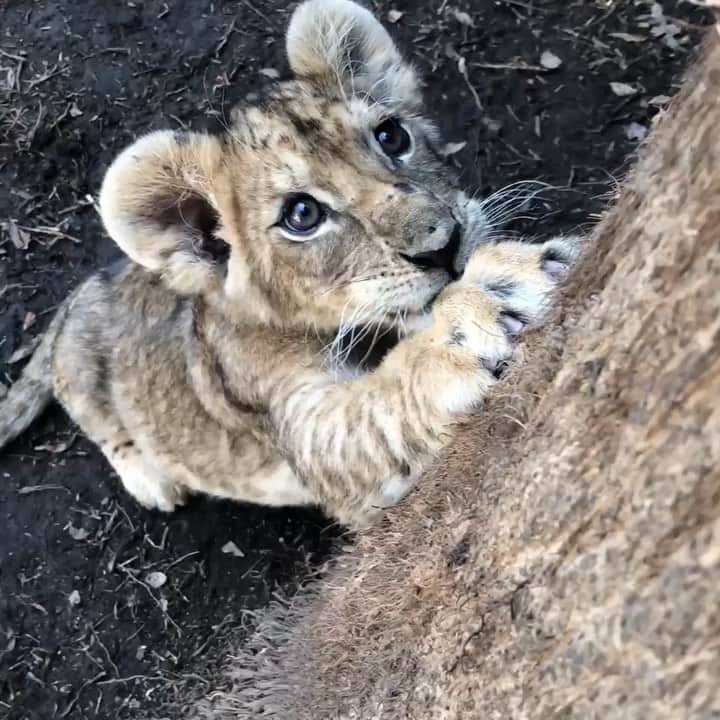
(495, 367)
(556, 269)
(512, 323)
(556, 260)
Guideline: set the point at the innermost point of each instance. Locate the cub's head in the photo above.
(325, 204)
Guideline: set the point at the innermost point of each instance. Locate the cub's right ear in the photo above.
(157, 203)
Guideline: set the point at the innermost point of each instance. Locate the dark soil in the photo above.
(86, 628)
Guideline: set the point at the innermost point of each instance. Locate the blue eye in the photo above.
(302, 214)
(392, 137)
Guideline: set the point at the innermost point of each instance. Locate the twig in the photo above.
(224, 39)
(132, 577)
(259, 13)
(49, 74)
(19, 58)
(215, 630)
(51, 231)
(180, 559)
(31, 135)
(462, 67)
(521, 66)
(130, 678)
(41, 488)
(71, 705)
(105, 51)
(107, 653)
(524, 5)
(80, 204)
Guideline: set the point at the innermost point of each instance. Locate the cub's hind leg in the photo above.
(82, 380)
(150, 487)
(95, 415)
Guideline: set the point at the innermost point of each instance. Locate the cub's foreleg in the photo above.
(360, 445)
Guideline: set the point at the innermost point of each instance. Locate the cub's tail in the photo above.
(28, 397)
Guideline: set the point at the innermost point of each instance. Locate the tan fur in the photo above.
(206, 363)
(563, 559)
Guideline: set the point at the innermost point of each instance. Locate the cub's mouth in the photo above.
(444, 258)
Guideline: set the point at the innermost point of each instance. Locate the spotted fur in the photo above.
(213, 360)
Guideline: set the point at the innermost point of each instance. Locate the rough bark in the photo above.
(563, 560)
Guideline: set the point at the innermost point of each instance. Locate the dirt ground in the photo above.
(106, 608)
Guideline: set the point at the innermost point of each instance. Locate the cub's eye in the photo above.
(302, 214)
(393, 138)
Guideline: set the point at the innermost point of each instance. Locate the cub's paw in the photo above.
(147, 485)
(457, 359)
(479, 330)
(522, 276)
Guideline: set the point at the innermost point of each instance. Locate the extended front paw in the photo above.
(522, 276)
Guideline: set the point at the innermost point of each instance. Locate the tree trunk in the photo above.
(563, 560)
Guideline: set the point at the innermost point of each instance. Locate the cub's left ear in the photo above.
(341, 41)
(159, 203)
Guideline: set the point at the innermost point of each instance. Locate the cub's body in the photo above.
(131, 368)
(211, 360)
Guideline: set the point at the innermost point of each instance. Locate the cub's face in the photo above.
(327, 204)
(354, 217)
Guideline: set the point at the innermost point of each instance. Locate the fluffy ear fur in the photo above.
(157, 205)
(339, 40)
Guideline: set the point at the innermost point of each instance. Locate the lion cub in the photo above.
(204, 363)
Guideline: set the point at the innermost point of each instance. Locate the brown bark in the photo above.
(563, 561)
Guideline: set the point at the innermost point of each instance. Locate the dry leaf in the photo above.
(659, 100)
(74, 598)
(29, 320)
(452, 148)
(627, 37)
(156, 579)
(271, 73)
(622, 89)
(394, 16)
(77, 533)
(550, 61)
(230, 548)
(19, 238)
(75, 111)
(463, 18)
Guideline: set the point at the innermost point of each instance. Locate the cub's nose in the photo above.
(440, 259)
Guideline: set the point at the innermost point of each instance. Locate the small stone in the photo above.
(635, 131)
(156, 579)
(230, 548)
(550, 61)
(74, 598)
(77, 533)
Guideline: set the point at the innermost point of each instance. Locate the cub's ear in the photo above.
(157, 204)
(341, 41)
